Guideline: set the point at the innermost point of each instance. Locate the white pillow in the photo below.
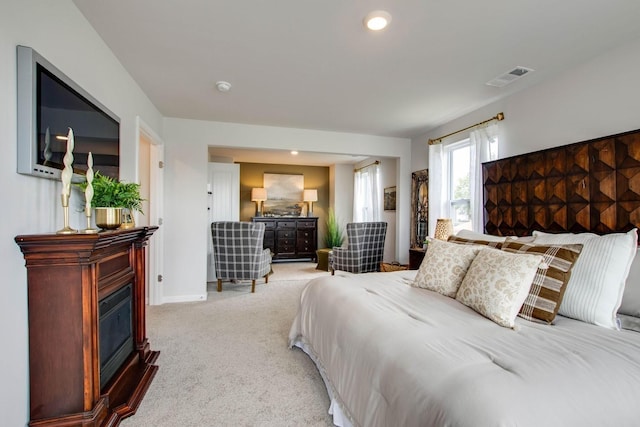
(596, 286)
(472, 235)
(497, 283)
(444, 266)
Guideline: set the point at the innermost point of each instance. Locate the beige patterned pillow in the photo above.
(444, 267)
(497, 284)
(549, 284)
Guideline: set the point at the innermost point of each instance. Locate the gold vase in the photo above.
(108, 218)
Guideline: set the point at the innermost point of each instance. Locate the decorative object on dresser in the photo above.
(90, 362)
(258, 195)
(444, 229)
(310, 196)
(290, 237)
(238, 252)
(365, 248)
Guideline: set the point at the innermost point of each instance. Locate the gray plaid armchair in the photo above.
(238, 252)
(364, 251)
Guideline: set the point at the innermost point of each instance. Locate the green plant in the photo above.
(334, 236)
(111, 193)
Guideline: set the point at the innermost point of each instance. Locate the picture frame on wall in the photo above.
(390, 198)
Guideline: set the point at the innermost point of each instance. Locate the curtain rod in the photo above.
(377, 162)
(499, 117)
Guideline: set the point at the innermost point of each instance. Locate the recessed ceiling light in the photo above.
(294, 153)
(377, 20)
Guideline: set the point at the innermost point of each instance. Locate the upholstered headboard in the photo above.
(590, 186)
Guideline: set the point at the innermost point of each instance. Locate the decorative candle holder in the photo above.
(66, 184)
(65, 210)
(88, 196)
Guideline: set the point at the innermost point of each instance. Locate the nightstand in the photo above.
(416, 255)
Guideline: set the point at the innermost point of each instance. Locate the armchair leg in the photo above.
(253, 285)
(266, 278)
(219, 285)
(333, 272)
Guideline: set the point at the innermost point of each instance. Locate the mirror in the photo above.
(419, 207)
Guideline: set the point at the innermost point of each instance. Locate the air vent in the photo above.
(509, 76)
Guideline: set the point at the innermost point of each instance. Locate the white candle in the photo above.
(67, 172)
(88, 192)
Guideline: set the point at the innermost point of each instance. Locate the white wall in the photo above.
(58, 31)
(185, 186)
(595, 99)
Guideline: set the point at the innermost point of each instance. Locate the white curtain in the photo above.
(484, 148)
(438, 206)
(367, 200)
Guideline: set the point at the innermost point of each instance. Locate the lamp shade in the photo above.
(310, 196)
(444, 229)
(258, 194)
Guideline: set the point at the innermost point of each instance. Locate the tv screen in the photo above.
(49, 103)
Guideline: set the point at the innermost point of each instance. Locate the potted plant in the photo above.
(334, 236)
(110, 197)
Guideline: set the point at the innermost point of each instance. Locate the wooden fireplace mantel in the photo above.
(67, 276)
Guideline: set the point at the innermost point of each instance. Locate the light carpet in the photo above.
(226, 362)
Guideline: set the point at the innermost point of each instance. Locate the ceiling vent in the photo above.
(509, 76)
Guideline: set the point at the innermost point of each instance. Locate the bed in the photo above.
(393, 354)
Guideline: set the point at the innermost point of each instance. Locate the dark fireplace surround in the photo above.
(90, 362)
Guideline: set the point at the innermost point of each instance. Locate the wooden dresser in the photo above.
(76, 284)
(290, 237)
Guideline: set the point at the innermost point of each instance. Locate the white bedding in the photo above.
(394, 355)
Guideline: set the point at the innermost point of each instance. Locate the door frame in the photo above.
(155, 252)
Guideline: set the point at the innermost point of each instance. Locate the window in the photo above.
(366, 194)
(458, 159)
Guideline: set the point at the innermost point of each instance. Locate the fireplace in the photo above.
(116, 331)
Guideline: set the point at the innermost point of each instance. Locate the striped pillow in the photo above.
(550, 282)
(596, 286)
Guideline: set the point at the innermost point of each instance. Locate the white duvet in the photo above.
(394, 355)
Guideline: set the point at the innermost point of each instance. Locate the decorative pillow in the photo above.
(595, 289)
(497, 284)
(465, 241)
(472, 235)
(550, 280)
(444, 266)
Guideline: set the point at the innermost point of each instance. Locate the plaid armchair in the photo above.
(364, 251)
(238, 252)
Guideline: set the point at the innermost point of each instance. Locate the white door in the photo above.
(223, 202)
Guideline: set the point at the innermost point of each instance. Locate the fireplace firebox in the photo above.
(116, 332)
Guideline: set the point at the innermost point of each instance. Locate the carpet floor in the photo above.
(226, 361)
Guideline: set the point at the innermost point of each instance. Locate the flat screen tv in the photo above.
(49, 103)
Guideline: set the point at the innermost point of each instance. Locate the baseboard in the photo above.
(184, 298)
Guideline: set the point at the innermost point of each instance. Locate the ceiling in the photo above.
(312, 64)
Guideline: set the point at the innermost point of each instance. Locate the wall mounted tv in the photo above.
(48, 104)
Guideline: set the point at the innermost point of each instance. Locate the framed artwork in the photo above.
(390, 199)
(284, 194)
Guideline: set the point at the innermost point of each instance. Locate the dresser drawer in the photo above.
(287, 224)
(306, 224)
